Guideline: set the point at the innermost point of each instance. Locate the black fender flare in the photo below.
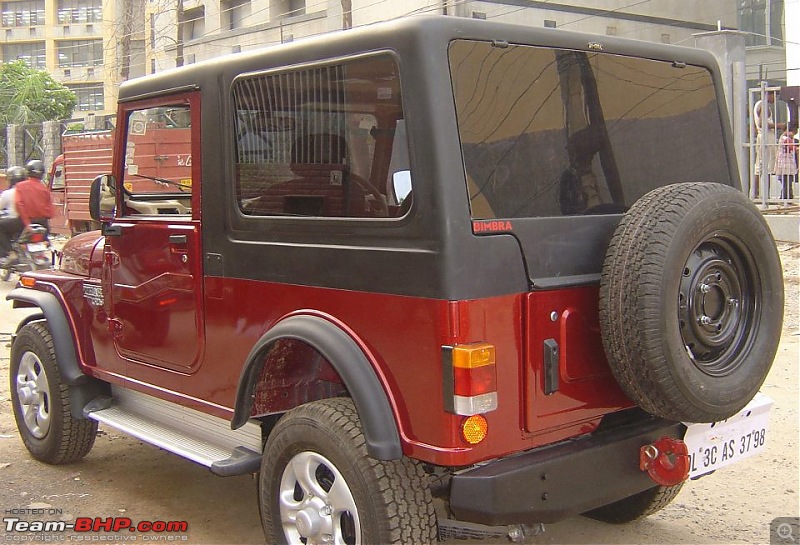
(83, 388)
(339, 348)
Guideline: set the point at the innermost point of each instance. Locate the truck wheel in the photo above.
(637, 506)
(41, 401)
(691, 302)
(319, 485)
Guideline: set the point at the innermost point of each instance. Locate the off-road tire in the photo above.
(392, 498)
(691, 302)
(637, 506)
(66, 439)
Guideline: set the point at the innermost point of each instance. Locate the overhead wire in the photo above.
(299, 25)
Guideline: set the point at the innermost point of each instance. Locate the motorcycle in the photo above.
(33, 252)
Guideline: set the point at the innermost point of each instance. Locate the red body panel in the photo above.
(587, 389)
(402, 336)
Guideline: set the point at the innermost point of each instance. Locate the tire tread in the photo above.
(399, 485)
(76, 436)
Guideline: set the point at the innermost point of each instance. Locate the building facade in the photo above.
(215, 27)
(93, 45)
(88, 45)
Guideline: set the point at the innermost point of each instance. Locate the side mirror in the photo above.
(102, 198)
(401, 185)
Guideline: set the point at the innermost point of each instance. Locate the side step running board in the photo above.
(201, 438)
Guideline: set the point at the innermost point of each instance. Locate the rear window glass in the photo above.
(549, 132)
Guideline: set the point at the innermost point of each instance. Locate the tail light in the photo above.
(469, 378)
(37, 237)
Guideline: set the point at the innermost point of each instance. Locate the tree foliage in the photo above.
(28, 95)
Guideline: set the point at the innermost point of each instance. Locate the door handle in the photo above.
(112, 230)
(177, 239)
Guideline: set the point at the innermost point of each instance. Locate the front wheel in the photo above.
(41, 401)
(319, 485)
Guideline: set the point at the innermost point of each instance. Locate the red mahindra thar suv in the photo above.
(421, 277)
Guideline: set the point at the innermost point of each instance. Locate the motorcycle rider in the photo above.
(10, 223)
(32, 200)
(33, 197)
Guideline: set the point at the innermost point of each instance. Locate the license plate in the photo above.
(37, 247)
(716, 445)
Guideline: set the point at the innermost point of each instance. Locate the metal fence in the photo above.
(32, 142)
(772, 146)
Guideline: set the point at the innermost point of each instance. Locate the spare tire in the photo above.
(691, 302)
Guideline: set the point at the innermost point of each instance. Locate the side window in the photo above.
(323, 141)
(157, 177)
(57, 183)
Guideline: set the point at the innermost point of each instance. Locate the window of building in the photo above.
(287, 8)
(194, 21)
(90, 96)
(327, 141)
(33, 53)
(24, 13)
(234, 13)
(556, 132)
(79, 11)
(77, 53)
(762, 20)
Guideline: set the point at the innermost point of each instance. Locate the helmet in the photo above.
(35, 168)
(15, 174)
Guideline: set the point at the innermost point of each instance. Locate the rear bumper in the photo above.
(552, 483)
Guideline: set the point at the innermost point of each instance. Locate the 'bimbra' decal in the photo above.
(491, 226)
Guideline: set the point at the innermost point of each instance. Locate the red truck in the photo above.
(88, 154)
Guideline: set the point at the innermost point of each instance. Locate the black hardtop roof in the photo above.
(398, 35)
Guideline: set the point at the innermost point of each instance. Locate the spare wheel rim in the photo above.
(717, 302)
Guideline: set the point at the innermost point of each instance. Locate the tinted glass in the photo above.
(548, 132)
(322, 141)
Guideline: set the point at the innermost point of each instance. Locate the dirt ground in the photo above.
(123, 478)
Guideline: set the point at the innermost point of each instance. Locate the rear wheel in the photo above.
(41, 401)
(319, 485)
(637, 506)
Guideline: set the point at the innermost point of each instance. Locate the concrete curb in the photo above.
(785, 227)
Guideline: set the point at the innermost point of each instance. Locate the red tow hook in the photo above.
(666, 461)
